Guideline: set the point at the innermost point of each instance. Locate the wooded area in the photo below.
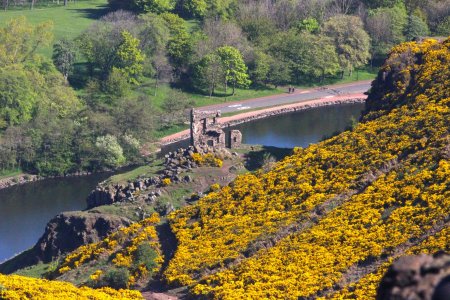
(85, 109)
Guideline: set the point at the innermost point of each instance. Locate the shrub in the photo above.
(145, 255)
(116, 278)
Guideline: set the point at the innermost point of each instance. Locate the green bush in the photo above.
(116, 278)
(146, 255)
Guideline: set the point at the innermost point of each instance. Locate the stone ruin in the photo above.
(207, 134)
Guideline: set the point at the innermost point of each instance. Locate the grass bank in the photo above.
(68, 21)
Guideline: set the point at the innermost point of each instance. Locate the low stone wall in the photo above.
(268, 112)
(231, 121)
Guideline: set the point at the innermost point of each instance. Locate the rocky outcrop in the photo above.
(421, 277)
(175, 164)
(19, 179)
(67, 231)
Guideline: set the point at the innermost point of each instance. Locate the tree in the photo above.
(260, 68)
(415, 28)
(351, 41)
(234, 67)
(195, 8)
(100, 43)
(309, 25)
(130, 58)
(110, 153)
(17, 96)
(208, 72)
(438, 16)
(20, 40)
(386, 27)
(220, 33)
(64, 57)
(175, 106)
(179, 46)
(306, 54)
(155, 6)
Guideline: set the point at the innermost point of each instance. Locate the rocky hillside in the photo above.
(331, 214)
(323, 223)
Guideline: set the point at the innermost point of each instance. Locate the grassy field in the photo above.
(68, 21)
(146, 170)
(243, 94)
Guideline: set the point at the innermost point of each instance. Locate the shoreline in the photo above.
(269, 112)
(26, 178)
(224, 121)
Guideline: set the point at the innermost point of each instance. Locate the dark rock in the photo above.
(70, 230)
(417, 277)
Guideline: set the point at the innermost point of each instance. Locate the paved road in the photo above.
(299, 96)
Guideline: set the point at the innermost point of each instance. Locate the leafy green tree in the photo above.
(443, 28)
(386, 27)
(130, 58)
(179, 46)
(64, 56)
(17, 96)
(137, 116)
(110, 152)
(309, 24)
(195, 8)
(323, 59)
(53, 140)
(116, 85)
(154, 34)
(155, 6)
(279, 73)
(306, 55)
(350, 39)
(415, 28)
(234, 67)
(208, 73)
(100, 43)
(19, 40)
(260, 68)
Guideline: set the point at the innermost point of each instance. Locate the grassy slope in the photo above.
(68, 21)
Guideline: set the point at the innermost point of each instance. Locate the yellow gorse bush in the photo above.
(19, 287)
(208, 159)
(120, 245)
(410, 131)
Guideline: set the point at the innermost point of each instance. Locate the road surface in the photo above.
(300, 95)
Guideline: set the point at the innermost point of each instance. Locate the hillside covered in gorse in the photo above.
(325, 222)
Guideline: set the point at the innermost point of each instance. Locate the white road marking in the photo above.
(243, 107)
(235, 105)
(328, 96)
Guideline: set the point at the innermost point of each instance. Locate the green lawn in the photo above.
(68, 21)
(147, 87)
(148, 170)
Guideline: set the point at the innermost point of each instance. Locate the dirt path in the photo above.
(262, 113)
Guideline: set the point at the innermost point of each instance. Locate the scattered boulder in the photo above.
(420, 277)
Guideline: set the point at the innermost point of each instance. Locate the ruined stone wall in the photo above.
(235, 139)
(206, 132)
